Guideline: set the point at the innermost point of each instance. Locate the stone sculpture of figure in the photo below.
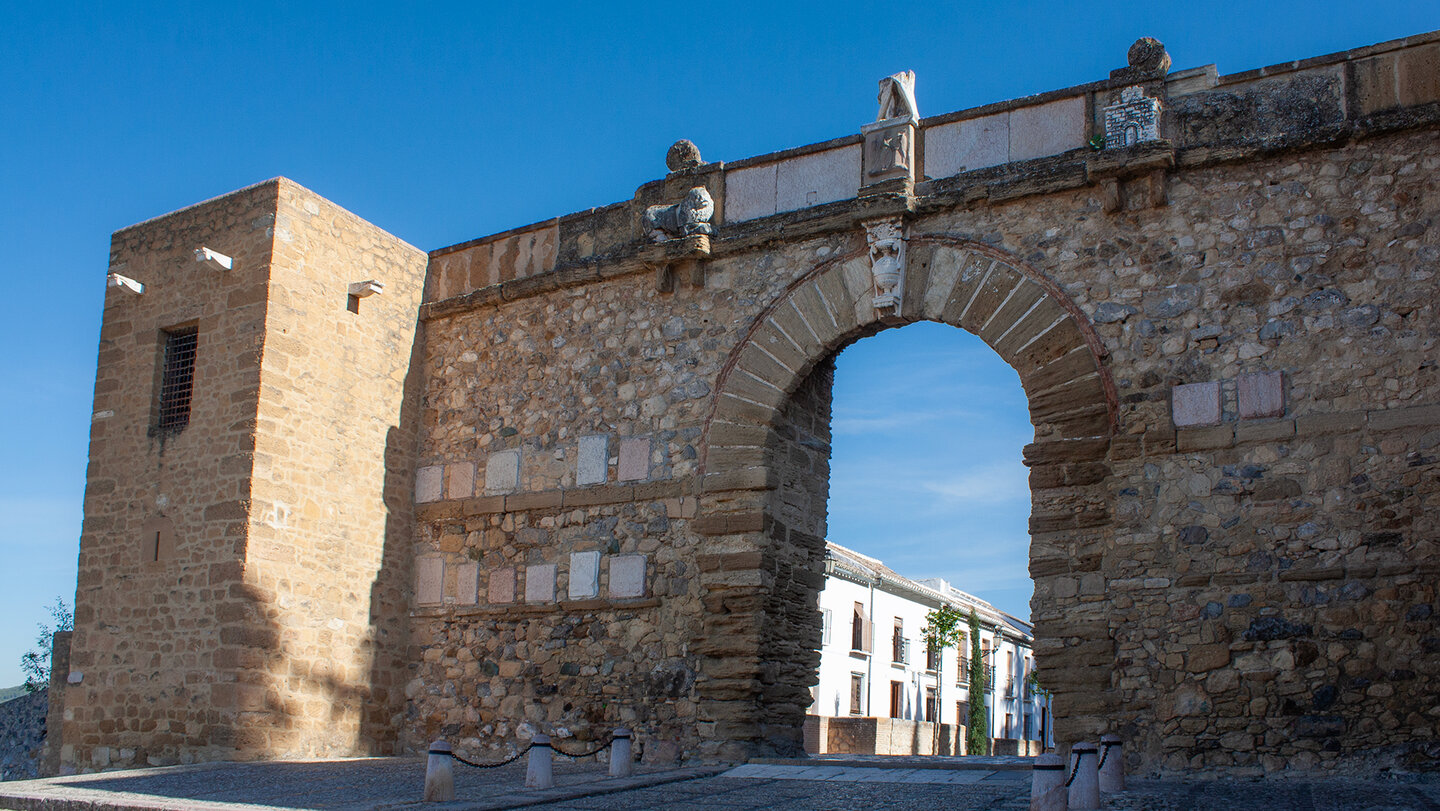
(897, 96)
(686, 218)
(887, 262)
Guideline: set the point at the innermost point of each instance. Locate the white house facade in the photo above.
(874, 664)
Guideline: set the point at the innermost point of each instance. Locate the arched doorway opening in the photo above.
(928, 507)
(766, 475)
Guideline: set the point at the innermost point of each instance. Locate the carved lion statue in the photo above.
(688, 217)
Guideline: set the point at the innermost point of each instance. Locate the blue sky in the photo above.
(441, 123)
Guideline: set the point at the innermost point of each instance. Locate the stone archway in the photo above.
(765, 479)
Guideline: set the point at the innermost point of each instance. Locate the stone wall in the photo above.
(330, 509)
(831, 735)
(147, 631)
(22, 736)
(231, 599)
(1295, 262)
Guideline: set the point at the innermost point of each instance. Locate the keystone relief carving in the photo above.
(887, 264)
(687, 218)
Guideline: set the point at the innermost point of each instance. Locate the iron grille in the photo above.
(177, 379)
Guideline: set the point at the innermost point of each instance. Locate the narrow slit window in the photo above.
(177, 379)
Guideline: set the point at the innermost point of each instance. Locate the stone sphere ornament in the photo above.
(1148, 54)
(683, 154)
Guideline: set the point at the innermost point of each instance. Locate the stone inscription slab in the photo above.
(540, 583)
(749, 193)
(502, 585)
(429, 580)
(820, 177)
(594, 457)
(502, 471)
(1047, 129)
(964, 146)
(467, 583)
(1261, 395)
(462, 480)
(627, 575)
(584, 575)
(634, 459)
(428, 483)
(1195, 404)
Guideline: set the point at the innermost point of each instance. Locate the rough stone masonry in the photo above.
(574, 475)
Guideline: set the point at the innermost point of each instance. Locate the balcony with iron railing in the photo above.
(963, 678)
(900, 649)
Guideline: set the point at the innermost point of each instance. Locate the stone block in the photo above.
(518, 255)
(593, 456)
(1261, 395)
(502, 471)
(962, 146)
(1047, 129)
(1344, 422)
(501, 588)
(584, 575)
(540, 583)
(820, 177)
(634, 459)
(542, 500)
(1417, 416)
(467, 583)
(461, 480)
(1374, 84)
(429, 581)
(1417, 75)
(429, 483)
(627, 575)
(1265, 431)
(749, 193)
(1195, 404)
(1204, 439)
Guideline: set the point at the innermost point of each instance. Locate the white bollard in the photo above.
(1085, 779)
(440, 774)
(1047, 784)
(538, 772)
(620, 757)
(1112, 765)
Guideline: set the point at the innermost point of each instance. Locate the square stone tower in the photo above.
(243, 577)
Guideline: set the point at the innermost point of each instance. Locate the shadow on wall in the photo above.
(383, 715)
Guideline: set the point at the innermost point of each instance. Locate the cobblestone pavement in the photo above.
(351, 785)
(1001, 791)
(394, 784)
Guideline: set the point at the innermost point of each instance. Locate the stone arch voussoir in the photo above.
(765, 562)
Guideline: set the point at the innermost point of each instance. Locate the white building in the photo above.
(874, 663)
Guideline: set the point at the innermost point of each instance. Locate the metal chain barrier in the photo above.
(1104, 753)
(602, 747)
(1074, 771)
(504, 762)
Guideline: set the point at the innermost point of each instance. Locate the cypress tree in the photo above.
(977, 729)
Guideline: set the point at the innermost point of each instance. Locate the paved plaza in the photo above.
(871, 784)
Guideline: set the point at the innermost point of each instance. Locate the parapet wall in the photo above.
(994, 152)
